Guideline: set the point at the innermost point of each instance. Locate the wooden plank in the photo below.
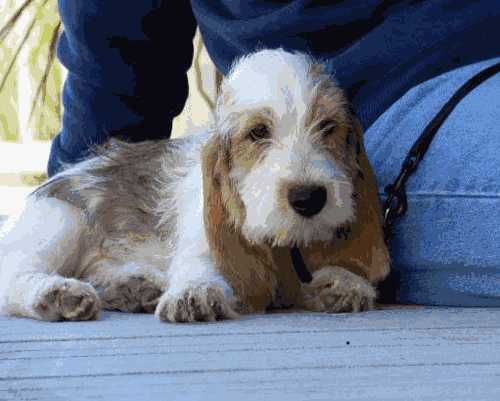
(353, 384)
(431, 353)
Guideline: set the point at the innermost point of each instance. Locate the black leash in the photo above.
(396, 203)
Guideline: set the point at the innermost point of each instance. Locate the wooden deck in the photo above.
(398, 354)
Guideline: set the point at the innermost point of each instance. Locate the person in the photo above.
(398, 61)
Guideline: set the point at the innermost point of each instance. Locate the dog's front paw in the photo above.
(203, 302)
(67, 299)
(334, 289)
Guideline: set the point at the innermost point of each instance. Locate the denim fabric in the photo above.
(376, 49)
(127, 64)
(447, 247)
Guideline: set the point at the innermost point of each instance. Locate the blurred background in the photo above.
(31, 81)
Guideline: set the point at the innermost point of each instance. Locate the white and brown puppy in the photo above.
(201, 228)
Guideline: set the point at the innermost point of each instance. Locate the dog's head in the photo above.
(283, 154)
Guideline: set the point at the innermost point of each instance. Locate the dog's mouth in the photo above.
(299, 213)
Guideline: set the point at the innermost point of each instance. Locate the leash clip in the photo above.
(396, 203)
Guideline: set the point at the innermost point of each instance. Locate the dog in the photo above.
(200, 228)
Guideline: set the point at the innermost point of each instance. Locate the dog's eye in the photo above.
(259, 132)
(326, 127)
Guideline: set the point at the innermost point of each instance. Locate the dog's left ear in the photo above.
(369, 214)
(360, 245)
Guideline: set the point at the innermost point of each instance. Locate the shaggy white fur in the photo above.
(282, 82)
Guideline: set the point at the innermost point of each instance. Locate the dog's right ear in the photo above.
(221, 206)
(214, 212)
(211, 166)
(245, 266)
(216, 165)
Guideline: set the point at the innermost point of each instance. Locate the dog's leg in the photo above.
(127, 287)
(335, 289)
(34, 246)
(196, 292)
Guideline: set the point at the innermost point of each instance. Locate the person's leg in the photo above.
(126, 74)
(446, 249)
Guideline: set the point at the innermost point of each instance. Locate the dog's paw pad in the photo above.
(202, 303)
(132, 294)
(335, 290)
(68, 299)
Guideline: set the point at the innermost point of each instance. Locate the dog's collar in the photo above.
(300, 266)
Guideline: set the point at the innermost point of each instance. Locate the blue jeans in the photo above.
(446, 248)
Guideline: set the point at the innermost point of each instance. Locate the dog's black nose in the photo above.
(307, 200)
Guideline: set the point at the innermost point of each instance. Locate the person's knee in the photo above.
(447, 243)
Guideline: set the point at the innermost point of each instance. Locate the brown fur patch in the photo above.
(244, 151)
(247, 268)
